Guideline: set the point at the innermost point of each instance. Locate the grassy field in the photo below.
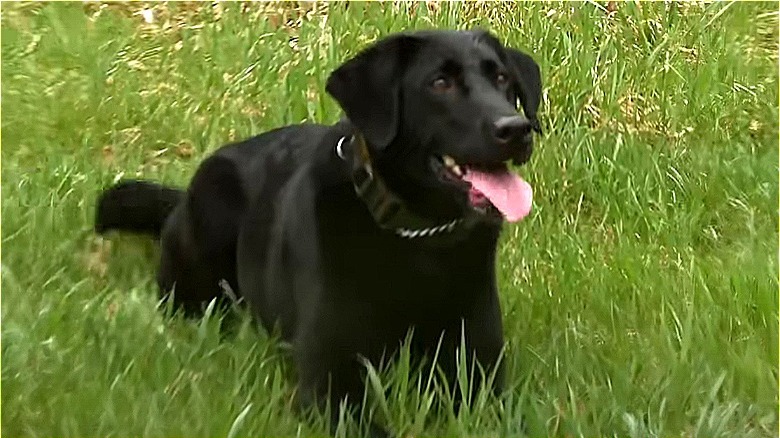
(640, 297)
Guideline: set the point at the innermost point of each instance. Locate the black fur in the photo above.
(137, 206)
(277, 217)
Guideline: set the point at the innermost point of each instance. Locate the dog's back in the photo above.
(198, 228)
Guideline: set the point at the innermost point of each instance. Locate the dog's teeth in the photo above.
(450, 163)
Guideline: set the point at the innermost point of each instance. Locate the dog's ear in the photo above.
(368, 87)
(527, 83)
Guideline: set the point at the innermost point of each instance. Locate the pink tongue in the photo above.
(509, 193)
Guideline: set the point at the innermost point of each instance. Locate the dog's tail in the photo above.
(136, 206)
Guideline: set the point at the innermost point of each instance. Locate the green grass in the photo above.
(640, 297)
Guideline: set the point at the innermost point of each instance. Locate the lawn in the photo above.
(640, 297)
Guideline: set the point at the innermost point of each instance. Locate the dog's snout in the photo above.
(512, 129)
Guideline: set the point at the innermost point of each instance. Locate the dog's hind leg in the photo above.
(184, 277)
(198, 260)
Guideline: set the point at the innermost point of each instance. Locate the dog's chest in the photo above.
(410, 279)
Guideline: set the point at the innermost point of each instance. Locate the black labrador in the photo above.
(345, 237)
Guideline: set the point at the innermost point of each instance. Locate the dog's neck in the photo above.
(389, 211)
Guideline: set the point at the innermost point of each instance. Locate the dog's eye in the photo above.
(442, 84)
(501, 79)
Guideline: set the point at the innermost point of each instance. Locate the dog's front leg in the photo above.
(485, 340)
(332, 376)
(480, 332)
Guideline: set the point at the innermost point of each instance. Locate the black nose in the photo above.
(512, 129)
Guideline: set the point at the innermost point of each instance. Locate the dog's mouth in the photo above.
(492, 189)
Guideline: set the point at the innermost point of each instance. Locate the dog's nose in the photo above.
(511, 129)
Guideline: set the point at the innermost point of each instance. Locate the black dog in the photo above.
(345, 237)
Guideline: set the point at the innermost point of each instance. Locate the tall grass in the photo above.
(639, 299)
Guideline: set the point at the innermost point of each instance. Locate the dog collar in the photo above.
(387, 209)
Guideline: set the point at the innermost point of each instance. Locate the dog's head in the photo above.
(438, 110)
